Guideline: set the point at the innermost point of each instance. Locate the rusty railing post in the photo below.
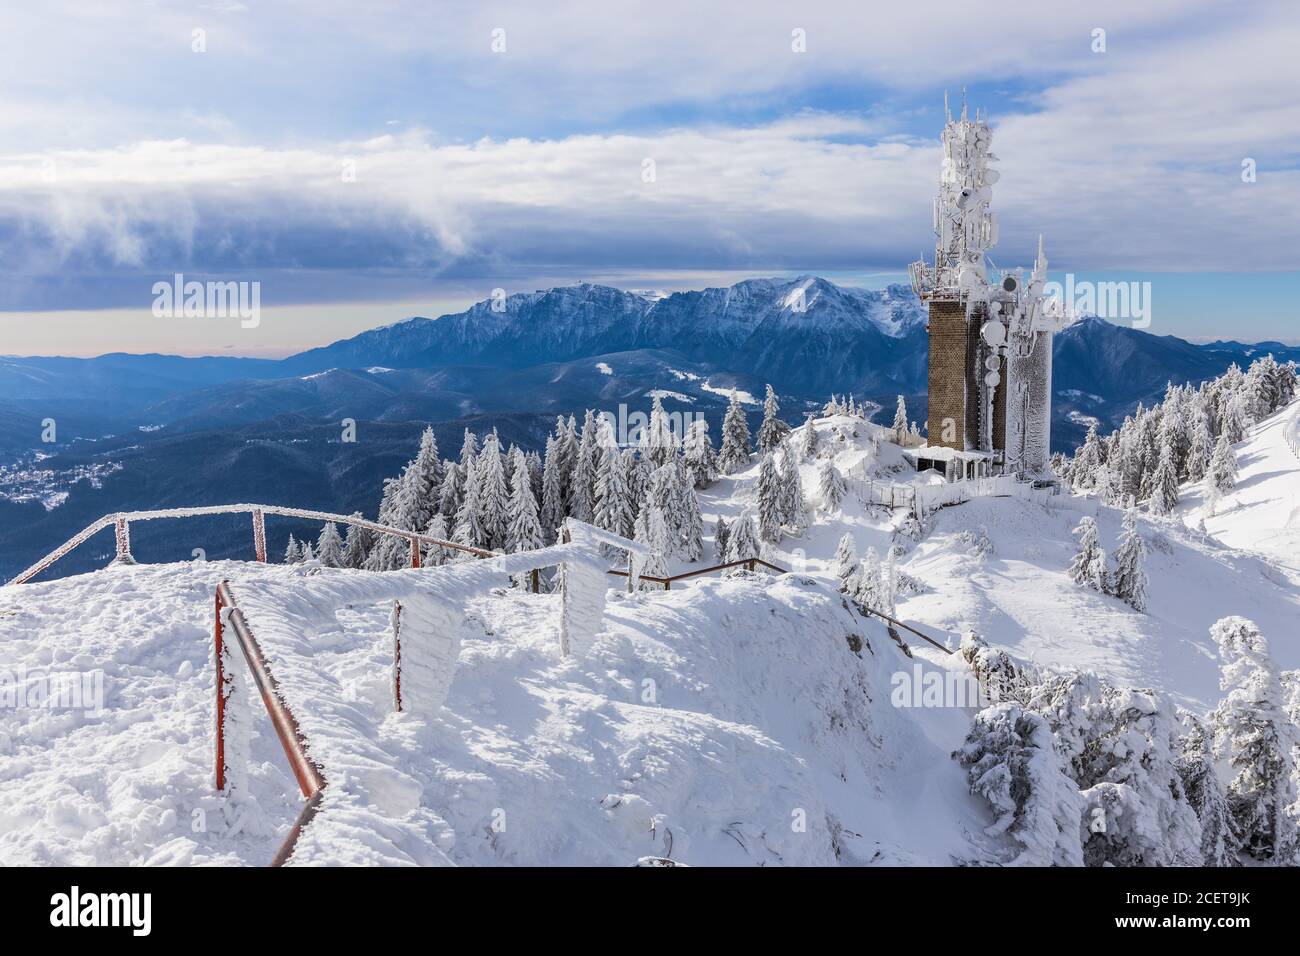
(259, 535)
(536, 577)
(415, 552)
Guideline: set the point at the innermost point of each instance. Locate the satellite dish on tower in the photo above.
(993, 333)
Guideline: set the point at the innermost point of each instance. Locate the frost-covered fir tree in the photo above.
(583, 479)
(808, 439)
(468, 529)
(665, 495)
(1164, 483)
(769, 501)
(432, 555)
(831, 487)
(720, 532)
(845, 564)
(1089, 565)
(1011, 761)
(613, 497)
(293, 553)
(493, 495)
(452, 492)
(308, 554)
(831, 408)
(900, 420)
(742, 539)
(734, 455)
(1254, 733)
(1200, 440)
(652, 531)
(1195, 765)
(357, 545)
(409, 503)
(698, 455)
(524, 532)
(329, 546)
(868, 581)
(552, 513)
(773, 431)
(794, 512)
(1129, 581)
(691, 523)
(566, 457)
(1223, 466)
(658, 443)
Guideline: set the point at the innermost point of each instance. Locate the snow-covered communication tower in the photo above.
(990, 372)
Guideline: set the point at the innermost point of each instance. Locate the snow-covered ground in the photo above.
(729, 721)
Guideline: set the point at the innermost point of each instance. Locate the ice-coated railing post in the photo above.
(396, 621)
(122, 529)
(223, 691)
(259, 535)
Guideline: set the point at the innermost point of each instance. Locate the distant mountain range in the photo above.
(196, 430)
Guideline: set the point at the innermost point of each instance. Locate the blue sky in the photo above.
(133, 147)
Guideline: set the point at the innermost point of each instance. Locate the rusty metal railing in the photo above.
(122, 524)
(310, 779)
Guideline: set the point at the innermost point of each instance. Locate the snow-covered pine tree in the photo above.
(424, 476)
(831, 408)
(769, 501)
(524, 532)
(665, 495)
(868, 581)
(583, 479)
(831, 486)
(1200, 439)
(552, 513)
(293, 553)
(1164, 483)
(900, 420)
(566, 447)
(720, 532)
(1011, 761)
(357, 545)
(652, 531)
(889, 584)
(452, 492)
(700, 459)
(742, 540)
(613, 499)
(493, 497)
(1089, 566)
(808, 439)
(468, 529)
(773, 431)
(433, 555)
(329, 546)
(468, 451)
(691, 521)
(308, 554)
(1254, 733)
(1129, 582)
(845, 564)
(658, 443)
(1195, 764)
(794, 511)
(1223, 465)
(735, 438)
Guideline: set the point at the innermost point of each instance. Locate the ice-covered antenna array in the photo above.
(990, 332)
